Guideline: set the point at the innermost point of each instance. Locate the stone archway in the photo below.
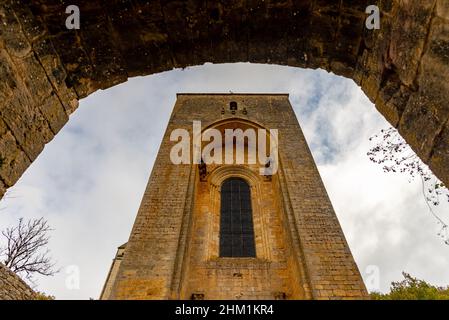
(45, 68)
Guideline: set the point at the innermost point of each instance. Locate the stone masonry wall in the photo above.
(45, 68)
(170, 255)
(12, 287)
(275, 272)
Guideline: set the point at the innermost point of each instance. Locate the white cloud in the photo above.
(89, 180)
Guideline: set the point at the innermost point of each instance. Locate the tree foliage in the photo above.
(43, 296)
(413, 289)
(394, 154)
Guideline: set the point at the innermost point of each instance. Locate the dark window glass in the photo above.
(236, 221)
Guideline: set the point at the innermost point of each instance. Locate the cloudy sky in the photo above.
(88, 182)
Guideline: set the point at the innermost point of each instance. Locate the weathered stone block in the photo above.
(8, 79)
(12, 287)
(31, 26)
(442, 9)
(15, 41)
(410, 28)
(56, 74)
(29, 127)
(13, 161)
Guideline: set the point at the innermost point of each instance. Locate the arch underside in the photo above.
(45, 68)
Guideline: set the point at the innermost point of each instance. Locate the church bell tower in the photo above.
(234, 209)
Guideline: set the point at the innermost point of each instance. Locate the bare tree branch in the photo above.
(396, 156)
(25, 251)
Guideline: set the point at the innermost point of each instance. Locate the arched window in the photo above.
(236, 221)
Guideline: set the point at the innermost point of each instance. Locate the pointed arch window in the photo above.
(236, 220)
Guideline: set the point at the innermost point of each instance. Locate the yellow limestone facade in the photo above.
(178, 247)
